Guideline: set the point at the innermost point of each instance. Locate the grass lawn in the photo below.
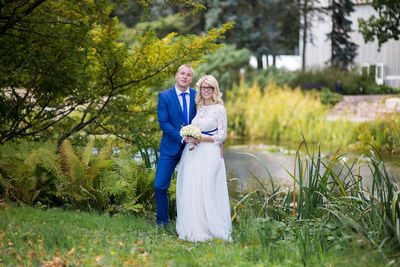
(34, 237)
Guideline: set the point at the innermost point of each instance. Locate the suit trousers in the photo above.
(165, 167)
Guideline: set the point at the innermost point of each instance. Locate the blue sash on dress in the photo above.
(209, 132)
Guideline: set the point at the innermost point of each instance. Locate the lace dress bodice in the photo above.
(212, 117)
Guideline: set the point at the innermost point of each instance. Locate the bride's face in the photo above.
(206, 91)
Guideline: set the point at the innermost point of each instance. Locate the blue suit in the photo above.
(171, 119)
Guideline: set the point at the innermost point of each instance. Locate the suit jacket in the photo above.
(171, 119)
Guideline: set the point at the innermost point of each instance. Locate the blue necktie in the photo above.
(185, 113)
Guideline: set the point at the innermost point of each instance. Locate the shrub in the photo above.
(353, 82)
(264, 77)
(330, 98)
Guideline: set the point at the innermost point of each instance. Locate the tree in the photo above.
(264, 27)
(308, 9)
(62, 68)
(343, 50)
(384, 27)
(224, 59)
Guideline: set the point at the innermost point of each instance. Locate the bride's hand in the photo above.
(192, 140)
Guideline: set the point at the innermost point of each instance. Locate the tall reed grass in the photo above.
(282, 113)
(337, 206)
(384, 134)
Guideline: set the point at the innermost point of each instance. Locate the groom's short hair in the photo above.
(186, 66)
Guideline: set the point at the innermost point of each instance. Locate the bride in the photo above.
(203, 210)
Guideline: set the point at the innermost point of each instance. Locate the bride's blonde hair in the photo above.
(217, 95)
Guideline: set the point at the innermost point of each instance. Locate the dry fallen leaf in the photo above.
(57, 262)
(98, 258)
(32, 254)
(71, 252)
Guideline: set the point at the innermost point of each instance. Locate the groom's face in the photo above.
(184, 77)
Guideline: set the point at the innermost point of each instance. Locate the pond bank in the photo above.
(359, 108)
(279, 160)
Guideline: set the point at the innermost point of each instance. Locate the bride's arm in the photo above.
(206, 138)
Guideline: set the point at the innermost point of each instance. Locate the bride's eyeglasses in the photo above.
(207, 88)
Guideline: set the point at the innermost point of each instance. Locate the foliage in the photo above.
(383, 27)
(63, 69)
(281, 113)
(77, 179)
(225, 64)
(36, 50)
(343, 49)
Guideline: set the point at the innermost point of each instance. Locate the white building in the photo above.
(386, 60)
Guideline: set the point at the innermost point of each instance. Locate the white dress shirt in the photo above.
(178, 92)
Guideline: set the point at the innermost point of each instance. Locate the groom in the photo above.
(175, 108)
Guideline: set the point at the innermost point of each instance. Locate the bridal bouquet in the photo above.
(190, 131)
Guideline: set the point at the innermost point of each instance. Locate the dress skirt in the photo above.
(203, 210)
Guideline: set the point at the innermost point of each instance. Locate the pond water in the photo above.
(277, 157)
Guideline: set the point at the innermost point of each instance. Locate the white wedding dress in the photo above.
(203, 210)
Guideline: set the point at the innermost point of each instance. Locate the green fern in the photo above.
(35, 177)
(106, 151)
(88, 151)
(31, 172)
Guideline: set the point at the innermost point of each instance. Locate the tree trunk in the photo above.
(333, 47)
(305, 32)
(259, 62)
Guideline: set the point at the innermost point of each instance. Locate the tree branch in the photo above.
(15, 19)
